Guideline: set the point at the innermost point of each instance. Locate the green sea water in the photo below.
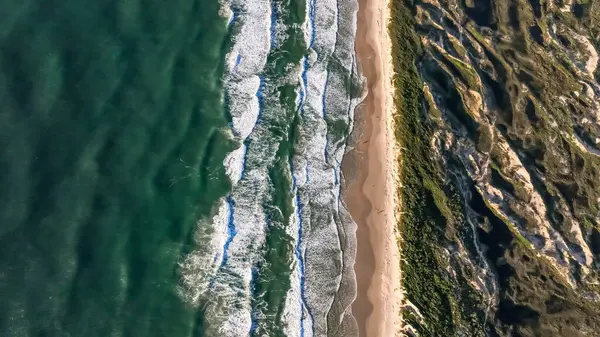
(119, 124)
(111, 149)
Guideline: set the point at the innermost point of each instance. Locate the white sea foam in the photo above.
(245, 62)
(294, 305)
(234, 164)
(243, 104)
(219, 273)
(316, 169)
(278, 28)
(200, 267)
(296, 316)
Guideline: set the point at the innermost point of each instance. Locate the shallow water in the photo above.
(174, 170)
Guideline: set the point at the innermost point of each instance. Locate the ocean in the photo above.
(172, 168)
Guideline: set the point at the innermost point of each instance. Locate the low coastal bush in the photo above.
(425, 206)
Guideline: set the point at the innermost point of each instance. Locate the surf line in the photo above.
(299, 251)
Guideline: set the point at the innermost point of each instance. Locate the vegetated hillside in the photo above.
(502, 228)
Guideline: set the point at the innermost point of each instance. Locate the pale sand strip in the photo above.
(371, 194)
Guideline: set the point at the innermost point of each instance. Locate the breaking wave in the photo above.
(291, 144)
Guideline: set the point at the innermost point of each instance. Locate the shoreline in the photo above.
(371, 167)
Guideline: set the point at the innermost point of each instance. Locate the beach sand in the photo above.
(370, 169)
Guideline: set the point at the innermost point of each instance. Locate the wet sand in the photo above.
(370, 169)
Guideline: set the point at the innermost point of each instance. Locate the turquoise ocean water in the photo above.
(172, 168)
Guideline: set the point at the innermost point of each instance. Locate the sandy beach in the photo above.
(371, 172)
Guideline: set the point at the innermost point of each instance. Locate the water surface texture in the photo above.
(173, 168)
